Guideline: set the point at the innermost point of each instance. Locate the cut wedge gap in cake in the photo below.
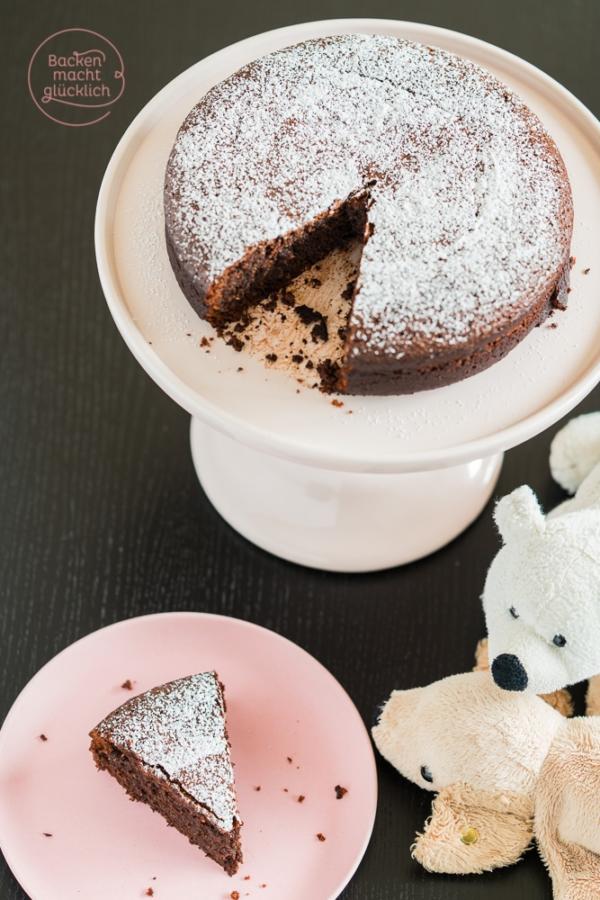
(289, 302)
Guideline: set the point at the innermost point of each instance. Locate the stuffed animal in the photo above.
(505, 768)
(542, 593)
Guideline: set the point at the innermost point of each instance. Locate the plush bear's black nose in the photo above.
(508, 673)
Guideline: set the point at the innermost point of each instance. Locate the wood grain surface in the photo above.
(101, 515)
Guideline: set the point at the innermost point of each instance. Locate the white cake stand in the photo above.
(401, 476)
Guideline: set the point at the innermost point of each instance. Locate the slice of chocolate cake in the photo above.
(169, 749)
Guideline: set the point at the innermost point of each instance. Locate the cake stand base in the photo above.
(340, 521)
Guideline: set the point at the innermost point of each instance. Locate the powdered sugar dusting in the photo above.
(178, 732)
(468, 197)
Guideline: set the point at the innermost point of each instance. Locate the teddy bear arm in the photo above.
(472, 831)
(575, 451)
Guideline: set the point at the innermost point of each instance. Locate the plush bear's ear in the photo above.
(472, 831)
(519, 514)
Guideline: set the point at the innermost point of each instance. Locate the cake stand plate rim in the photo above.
(329, 453)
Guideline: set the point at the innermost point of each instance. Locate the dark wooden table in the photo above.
(101, 515)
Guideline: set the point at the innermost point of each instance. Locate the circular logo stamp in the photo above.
(75, 76)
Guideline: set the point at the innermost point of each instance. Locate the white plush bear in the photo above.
(506, 768)
(542, 593)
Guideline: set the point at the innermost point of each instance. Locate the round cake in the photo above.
(447, 189)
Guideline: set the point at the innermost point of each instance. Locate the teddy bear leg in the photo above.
(592, 697)
(575, 451)
(560, 700)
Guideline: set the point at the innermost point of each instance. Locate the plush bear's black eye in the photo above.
(426, 774)
(514, 613)
(559, 639)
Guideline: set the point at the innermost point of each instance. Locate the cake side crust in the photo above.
(154, 789)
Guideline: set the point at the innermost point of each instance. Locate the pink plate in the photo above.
(68, 831)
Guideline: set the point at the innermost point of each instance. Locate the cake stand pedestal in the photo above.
(342, 521)
(301, 478)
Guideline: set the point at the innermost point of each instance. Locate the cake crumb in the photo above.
(285, 791)
(301, 798)
(235, 895)
(337, 403)
(204, 342)
(127, 685)
(246, 878)
(289, 759)
(262, 885)
(149, 892)
(240, 368)
(43, 737)
(47, 834)
(340, 791)
(321, 837)
(257, 787)
(586, 271)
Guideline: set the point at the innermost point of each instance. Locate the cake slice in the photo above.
(169, 749)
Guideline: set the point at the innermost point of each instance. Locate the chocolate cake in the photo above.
(454, 194)
(169, 749)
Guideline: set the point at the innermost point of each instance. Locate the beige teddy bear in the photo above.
(506, 767)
